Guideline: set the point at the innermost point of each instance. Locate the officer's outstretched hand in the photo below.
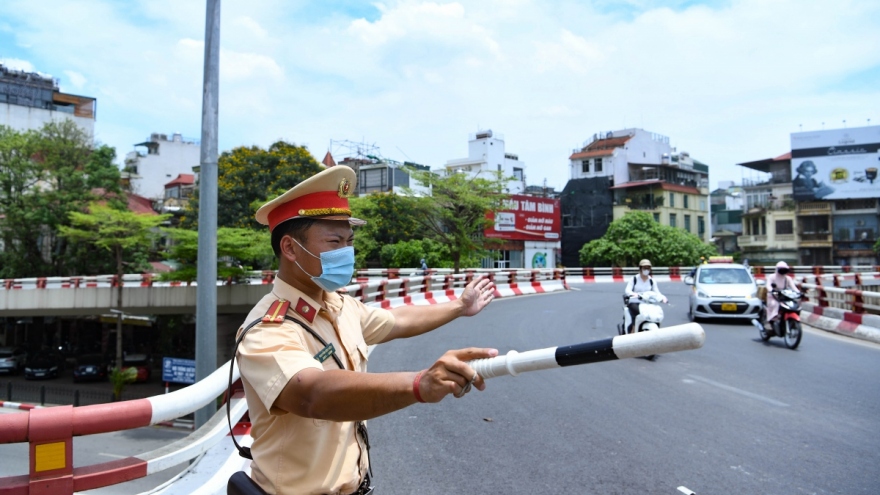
(451, 374)
(476, 296)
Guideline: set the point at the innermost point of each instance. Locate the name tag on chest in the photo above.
(325, 353)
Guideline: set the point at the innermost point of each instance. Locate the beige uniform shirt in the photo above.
(293, 454)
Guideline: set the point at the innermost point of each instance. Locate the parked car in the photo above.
(142, 362)
(723, 290)
(90, 367)
(44, 364)
(12, 359)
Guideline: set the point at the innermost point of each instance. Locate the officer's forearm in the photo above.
(341, 395)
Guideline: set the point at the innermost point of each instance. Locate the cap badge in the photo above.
(345, 188)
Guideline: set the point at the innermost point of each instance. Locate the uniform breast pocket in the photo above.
(363, 352)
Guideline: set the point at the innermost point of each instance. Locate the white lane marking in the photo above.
(739, 391)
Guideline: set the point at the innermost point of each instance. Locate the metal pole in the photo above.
(206, 304)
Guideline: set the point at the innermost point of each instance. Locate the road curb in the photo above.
(819, 318)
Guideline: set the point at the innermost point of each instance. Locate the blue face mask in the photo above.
(337, 267)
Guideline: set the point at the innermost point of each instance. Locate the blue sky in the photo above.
(726, 81)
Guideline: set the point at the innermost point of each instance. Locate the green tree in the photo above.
(238, 251)
(454, 215)
(408, 254)
(390, 218)
(637, 236)
(45, 175)
(248, 175)
(117, 231)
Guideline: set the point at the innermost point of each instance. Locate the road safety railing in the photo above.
(434, 280)
(49, 432)
(854, 300)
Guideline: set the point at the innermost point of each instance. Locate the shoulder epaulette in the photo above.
(276, 311)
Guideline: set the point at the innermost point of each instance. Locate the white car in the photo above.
(12, 359)
(723, 290)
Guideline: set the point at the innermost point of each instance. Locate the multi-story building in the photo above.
(631, 169)
(28, 100)
(726, 208)
(837, 191)
(159, 161)
(768, 218)
(486, 156)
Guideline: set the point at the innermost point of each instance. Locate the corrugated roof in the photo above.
(601, 147)
(663, 185)
(182, 179)
(590, 154)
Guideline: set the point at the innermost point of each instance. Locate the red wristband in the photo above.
(416, 381)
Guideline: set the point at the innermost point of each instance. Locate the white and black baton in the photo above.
(670, 339)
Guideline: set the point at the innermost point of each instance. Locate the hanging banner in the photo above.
(835, 164)
(527, 218)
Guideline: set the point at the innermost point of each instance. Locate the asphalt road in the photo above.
(737, 416)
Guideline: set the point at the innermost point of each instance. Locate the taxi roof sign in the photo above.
(720, 259)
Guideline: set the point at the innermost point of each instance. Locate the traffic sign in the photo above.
(176, 370)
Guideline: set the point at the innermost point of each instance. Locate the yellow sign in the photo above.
(50, 456)
(728, 306)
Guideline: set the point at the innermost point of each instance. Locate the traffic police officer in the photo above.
(307, 409)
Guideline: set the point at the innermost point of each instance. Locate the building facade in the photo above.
(29, 100)
(486, 156)
(640, 171)
(159, 160)
(768, 234)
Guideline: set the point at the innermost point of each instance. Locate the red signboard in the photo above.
(527, 218)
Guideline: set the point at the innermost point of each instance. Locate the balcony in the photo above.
(752, 240)
(814, 208)
(808, 239)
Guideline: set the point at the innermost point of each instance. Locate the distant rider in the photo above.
(783, 281)
(643, 282)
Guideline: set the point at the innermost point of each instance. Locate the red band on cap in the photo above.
(291, 209)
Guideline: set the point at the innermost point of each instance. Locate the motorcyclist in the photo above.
(783, 281)
(643, 282)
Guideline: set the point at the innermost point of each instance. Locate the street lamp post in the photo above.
(206, 304)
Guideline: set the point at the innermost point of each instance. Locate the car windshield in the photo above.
(5, 354)
(724, 276)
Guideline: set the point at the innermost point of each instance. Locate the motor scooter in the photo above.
(788, 321)
(649, 318)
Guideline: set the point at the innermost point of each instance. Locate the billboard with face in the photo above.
(836, 164)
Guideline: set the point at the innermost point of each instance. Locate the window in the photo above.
(518, 174)
(701, 226)
(585, 166)
(598, 164)
(784, 227)
(687, 222)
(672, 200)
(702, 204)
(672, 220)
(657, 217)
(686, 201)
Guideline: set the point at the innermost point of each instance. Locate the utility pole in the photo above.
(206, 304)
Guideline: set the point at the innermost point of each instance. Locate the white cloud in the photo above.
(17, 64)
(728, 83)
(76, 79)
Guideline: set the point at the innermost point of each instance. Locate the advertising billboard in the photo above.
(527, 218)
(835, 164)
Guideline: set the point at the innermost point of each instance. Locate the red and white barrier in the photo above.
(858, 325)
(18, 405)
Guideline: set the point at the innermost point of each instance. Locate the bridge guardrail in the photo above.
(50, 430)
